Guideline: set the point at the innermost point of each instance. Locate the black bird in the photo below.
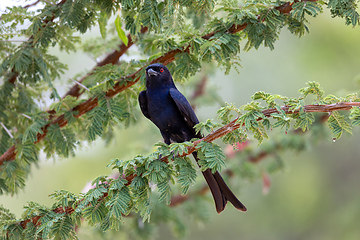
(170, 111)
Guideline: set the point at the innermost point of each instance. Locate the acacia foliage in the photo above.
(185, 35)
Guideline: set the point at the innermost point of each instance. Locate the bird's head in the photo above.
(158, 75)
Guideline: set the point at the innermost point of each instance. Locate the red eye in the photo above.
(161, 70)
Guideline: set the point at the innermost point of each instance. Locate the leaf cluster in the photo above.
(109, 200)
(286, 113)
(345, 9)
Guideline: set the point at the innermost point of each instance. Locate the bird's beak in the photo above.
(151, 72)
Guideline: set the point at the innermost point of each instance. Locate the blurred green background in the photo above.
(316, 196)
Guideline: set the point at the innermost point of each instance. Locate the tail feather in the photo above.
(220, 200)
(227, 193)
(220, 191)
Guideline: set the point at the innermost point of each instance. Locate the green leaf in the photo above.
(211, 156)
(252, 122)
(314, 89)
(163, 150)
(160, 173)
(95, 213)
(34, 129)
(338, 124)
(120, 203)
(344, 9)
(102, 24)
(62, 140)
(208, 126)
(120, 32)
(269, 98)
(355, 116)
(282, 119)
(63, 228)
(27, 151)
(304, 120)
(299, 9)
(141, 196)
(187, 173)
(64, 198)
(92, 196)
(165, 191)
(225, 113)
(180, 148)
(235, 136)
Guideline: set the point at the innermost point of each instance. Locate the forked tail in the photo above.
(220, 191)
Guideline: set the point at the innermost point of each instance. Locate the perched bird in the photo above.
(170, 111)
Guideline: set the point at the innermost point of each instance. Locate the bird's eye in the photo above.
(161, 70)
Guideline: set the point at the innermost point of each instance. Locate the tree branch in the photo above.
(90, 104)
(121, 85)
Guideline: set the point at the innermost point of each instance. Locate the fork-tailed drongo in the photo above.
(169, 110)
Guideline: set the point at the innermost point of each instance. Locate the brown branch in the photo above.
(233, 125)
(32, 4)
(121, 85)
(13, 76)
(178, 199)
(200, 88)
(92, 103)
(316, 108)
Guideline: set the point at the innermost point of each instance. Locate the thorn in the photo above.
(7, 130)
(28, 117)
(81, 85)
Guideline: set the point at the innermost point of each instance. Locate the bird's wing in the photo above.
(185, 109)
(144, 104)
